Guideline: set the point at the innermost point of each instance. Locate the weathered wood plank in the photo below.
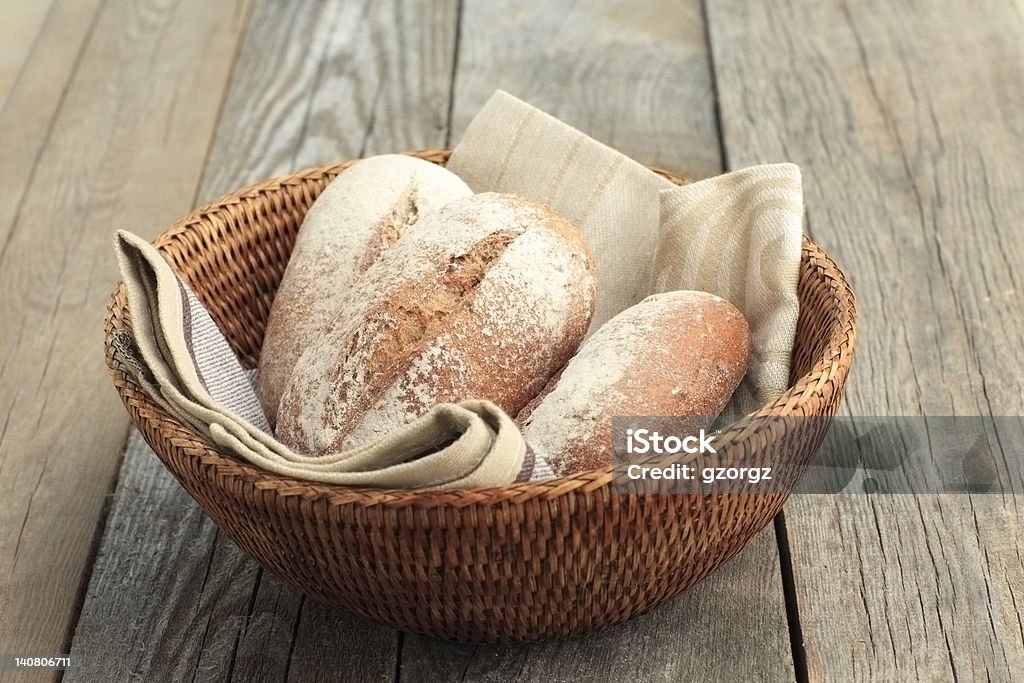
(172, 598)
(905, 118)
(314, 82)
(632, 75)
(322, 82)
(20, 25)
(125, 147)
(34, 101)
(636, 77)
(169, 548)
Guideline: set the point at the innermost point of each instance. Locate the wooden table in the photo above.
(906, 118)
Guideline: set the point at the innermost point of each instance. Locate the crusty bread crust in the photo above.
(485, 299)
(362, 213)
(673, 354)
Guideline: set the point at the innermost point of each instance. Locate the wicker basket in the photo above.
(516, 563)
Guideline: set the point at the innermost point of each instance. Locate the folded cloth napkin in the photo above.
(185, 364)
(737, 236)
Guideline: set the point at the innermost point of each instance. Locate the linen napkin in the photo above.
(184, 362)
(737, 236)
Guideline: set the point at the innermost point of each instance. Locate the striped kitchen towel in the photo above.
(738, 236)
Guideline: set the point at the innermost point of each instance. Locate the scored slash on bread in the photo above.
(485, 298)
(357, 217)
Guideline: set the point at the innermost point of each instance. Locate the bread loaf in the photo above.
(677, 353)
(486, 298)
(360, 214)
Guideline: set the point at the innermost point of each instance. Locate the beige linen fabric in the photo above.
(187, 366)
(737, 235)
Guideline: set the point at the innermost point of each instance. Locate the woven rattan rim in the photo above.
(808, 394)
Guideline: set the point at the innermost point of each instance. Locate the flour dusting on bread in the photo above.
(674, 354)
(357, 217)
(485, 299)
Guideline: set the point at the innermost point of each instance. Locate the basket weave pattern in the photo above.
(521, 562)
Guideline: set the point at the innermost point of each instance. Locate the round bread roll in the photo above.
(679, 353)
(485, 299)
(363, 212)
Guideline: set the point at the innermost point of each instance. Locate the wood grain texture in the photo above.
(34, 101)
(159, 528)
(20, 24)
(124, 148)
(322, 82)
(905, 119)
(171, 598)
(632, 75)
(314, 82)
